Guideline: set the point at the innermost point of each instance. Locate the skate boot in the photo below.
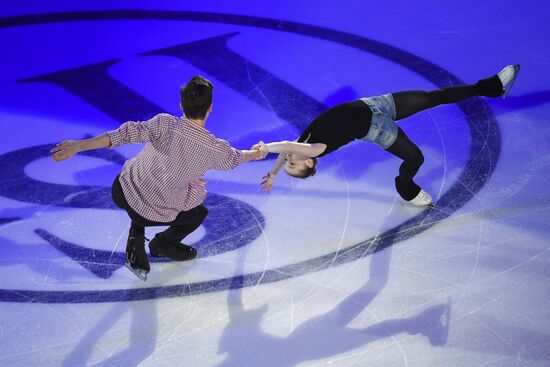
(499, 84)
(158, 247)
(507, 77)
(136, 257)
(422, 199)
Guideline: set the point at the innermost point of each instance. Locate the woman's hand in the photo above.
(268, 182)
(65, 150)
(262, 148)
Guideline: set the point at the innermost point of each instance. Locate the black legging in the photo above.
(185, 223)
(406, 104)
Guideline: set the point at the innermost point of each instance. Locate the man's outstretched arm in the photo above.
(67, 148)
(131, 132)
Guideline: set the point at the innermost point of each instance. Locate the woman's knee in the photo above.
(415, 158)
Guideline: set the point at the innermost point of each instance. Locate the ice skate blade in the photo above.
(140, 273)
(430, 205)
(516, 72)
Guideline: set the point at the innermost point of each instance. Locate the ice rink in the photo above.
(334, 270)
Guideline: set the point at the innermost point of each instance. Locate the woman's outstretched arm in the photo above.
(283, 148)
(303, 149)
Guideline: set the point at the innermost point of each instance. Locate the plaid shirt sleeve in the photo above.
(225, 157)
(135, 132)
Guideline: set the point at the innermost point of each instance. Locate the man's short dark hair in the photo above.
(196, 97)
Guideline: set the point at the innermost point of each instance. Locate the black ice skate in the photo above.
(158, 247)
(136, 257)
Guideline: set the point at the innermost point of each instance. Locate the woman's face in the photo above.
(295, 163)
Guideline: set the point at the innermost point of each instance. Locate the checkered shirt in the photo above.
(165, 177)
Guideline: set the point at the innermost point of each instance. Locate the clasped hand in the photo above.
(262, 147)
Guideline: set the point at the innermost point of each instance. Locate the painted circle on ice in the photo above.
(484, 153)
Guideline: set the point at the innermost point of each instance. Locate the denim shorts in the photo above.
(383, 130)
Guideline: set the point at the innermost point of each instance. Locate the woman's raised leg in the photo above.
(410, 102)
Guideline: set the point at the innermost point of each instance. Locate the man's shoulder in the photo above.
(209, 140)
(166, 118)
(189, 131)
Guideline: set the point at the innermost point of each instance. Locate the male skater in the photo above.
(162, 185)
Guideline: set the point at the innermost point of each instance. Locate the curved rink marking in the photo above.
(484, 154)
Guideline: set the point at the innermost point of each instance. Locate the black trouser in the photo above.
(185, 223)
(406, 104)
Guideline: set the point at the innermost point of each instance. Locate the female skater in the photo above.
(373, 119)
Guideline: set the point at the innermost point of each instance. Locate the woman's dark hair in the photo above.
(307, 172)
(196, 97)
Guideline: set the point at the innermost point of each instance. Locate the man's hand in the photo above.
(65, 150)
(268, 182)
(258, 155)
(254, 154)
(262, 148)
